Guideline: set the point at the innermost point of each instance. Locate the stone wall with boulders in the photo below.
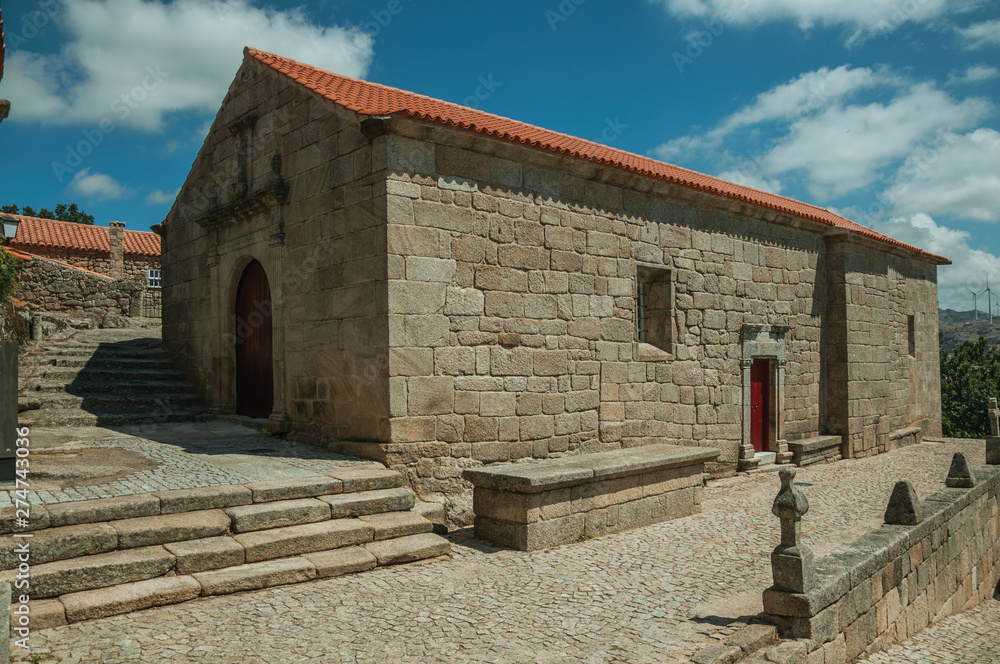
(46, 285)
(134, 266)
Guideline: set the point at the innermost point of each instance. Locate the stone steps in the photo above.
(96, 558)
(82, 387)
(147, 401)
(119, 363)
(77, 417)
(70, 375)
(106, 378)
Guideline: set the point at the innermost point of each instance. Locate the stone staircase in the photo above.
(106, 377)
(95, 558)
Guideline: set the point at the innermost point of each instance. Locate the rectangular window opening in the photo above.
(152, 278)
(654, 307)
(911, 336)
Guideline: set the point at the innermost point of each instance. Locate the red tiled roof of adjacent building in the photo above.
(49, 233)
(373, 99)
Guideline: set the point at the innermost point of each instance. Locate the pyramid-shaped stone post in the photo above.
(960, 475)
(993, 441)
(791, 561)
(904, 507)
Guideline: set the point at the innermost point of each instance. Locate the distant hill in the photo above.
(957, 327)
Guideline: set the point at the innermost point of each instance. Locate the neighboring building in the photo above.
(434, 286)
(110, 251)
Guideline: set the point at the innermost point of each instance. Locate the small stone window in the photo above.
(911, 336)
(152, 278)
(654, 307)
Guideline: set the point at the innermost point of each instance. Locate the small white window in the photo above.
(152, 278)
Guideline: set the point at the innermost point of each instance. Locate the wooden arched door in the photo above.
(254, 372)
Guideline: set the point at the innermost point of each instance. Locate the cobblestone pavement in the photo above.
(190, 455)
(968, 638)
(654, 594)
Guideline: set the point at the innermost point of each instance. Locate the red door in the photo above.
(760, 379)
(254, 379)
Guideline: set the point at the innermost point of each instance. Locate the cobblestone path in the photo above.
(654, 594)
(968, 638)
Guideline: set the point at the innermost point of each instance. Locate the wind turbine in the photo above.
(989, 300)
(975, 295)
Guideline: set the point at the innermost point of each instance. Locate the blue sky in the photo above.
(887, 111)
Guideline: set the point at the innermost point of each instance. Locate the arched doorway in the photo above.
(254, 371)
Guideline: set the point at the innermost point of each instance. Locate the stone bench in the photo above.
(817, 449)
(540, 504)
(905, 437)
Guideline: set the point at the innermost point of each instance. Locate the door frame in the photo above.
(764, 342)
(767, 401)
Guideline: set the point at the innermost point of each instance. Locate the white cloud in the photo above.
(958, 176)
(974, 74)
(979, 35)
(815, 128)
(752, 180)
(862, 17)
(134, 61)
(806, 93)
(98, 186)
(842, 148)
(969, 268)
(159, 197)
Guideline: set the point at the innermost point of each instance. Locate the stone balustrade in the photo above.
(540, 504)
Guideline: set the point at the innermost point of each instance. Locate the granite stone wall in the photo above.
(46, 285)
(134, 267)
(322, 245)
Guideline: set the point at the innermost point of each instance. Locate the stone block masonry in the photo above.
(892, 582)
(443, 299)
(47, 285)
(546, 503)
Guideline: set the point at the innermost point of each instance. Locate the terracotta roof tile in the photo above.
(49, 233)
(373, 99)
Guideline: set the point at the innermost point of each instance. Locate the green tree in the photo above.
(969, 378)
(8, 277)
(63, 212)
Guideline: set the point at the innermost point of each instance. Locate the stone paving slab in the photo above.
(190, 455)
(653, 595)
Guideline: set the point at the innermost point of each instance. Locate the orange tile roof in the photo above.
(374, 99)
(49, 233)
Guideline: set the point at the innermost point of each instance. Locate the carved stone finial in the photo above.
(960, 475)
(904, 507)
(791, 561)
(790, 505)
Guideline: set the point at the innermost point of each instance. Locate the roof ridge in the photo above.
(75, 223)
(367, 98)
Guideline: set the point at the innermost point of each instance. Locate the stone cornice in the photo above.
(255, 203)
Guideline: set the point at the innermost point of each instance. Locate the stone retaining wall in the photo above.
(46, 285)
(892, 582)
